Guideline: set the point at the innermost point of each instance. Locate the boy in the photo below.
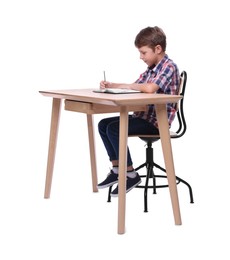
(161, 76)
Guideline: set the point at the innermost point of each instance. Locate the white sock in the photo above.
(115, 169)
(132, 174)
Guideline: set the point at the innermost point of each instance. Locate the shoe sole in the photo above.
(107, 185)
(116, 195)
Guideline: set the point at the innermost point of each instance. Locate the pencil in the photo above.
(104, 76)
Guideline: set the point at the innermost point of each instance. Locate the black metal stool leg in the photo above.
(141, 166)
(109, 194)
(149, 170)
(179, 180)
(189, 187)
(154, 181)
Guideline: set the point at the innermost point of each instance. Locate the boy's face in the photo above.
(149, 56)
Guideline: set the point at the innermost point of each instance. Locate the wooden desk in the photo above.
(88, 102)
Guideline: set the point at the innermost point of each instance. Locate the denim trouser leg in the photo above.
(109, 132)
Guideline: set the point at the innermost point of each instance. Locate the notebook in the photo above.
(116, 91)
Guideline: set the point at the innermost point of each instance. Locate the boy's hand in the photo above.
(105, 84)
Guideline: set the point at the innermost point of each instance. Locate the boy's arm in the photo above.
(143, 87)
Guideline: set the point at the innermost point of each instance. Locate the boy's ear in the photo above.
(158, 49)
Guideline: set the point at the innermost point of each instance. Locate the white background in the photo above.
(49, 44)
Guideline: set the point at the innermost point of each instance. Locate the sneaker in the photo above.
(111, 179)
(130, 184)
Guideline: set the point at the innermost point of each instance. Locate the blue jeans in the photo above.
(109, 132)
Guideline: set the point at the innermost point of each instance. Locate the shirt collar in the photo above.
(159, 65)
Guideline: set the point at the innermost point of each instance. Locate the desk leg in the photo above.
(52, 144)
(92, 152)
(168, 158)
(122, 169)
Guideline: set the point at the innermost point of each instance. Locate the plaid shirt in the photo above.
(166, 75)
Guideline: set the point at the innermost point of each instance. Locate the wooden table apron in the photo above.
(88, 102)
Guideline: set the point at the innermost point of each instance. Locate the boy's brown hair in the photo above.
(151, 37)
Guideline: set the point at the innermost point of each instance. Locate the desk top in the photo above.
(87, 95)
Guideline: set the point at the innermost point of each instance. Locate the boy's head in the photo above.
(151, 37)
